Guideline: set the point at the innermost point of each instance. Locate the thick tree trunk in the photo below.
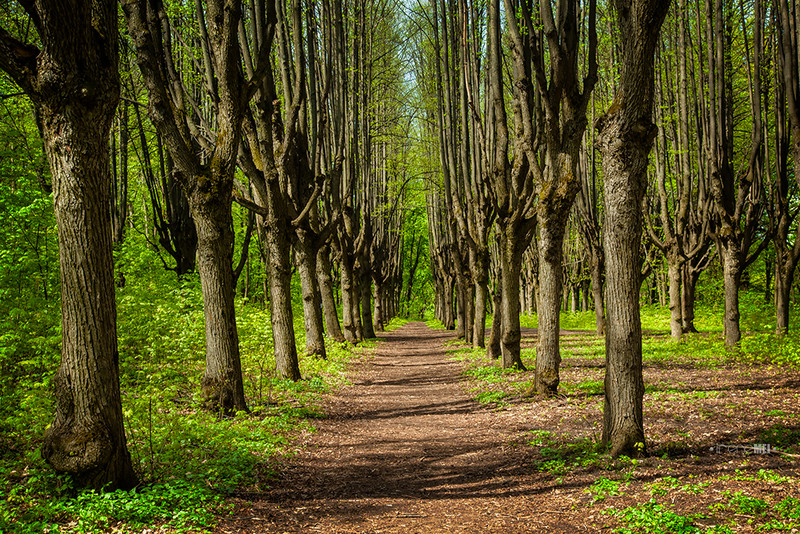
(279, 271)
(332, 325)
(731, 280)
(351, 321)
(509, 305)
(674, 271)
(625, 166)
(626, 137)
(222, 381)
(73, 82)
(548, 355)
(87, 437)
(306, 258)
(365, 294)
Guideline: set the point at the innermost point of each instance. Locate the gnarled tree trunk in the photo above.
(626, 137)
(74, 85)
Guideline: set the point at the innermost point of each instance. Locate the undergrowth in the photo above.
(188, 459)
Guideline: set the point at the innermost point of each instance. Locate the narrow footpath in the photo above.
(405, 449)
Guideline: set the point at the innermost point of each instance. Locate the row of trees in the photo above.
(707, 102)
(291, 109)
(511, 90)
(531, 121)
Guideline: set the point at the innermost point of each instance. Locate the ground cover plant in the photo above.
(189, 459)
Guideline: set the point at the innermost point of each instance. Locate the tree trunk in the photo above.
(379, 306)
(222, 381)
(481, 297)
(493, 348)
(731, 279)
(509, 305)
(626, 137)
(280, 291)
(598, 266)
(783, 293)
(548, 355)
(306, 258)
(87, 437)
(674, 271)
(690, 277)
(73, 83)
(351, 322)
(449, 319)
(461, 297)
(332, 324)
(365, 294)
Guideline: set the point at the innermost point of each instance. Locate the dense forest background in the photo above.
(326, 167)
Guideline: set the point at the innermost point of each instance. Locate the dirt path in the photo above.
(405, 450)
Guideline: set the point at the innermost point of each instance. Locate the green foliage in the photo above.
(189, 459)
(562, 454)
(604, 488)
(653, 518)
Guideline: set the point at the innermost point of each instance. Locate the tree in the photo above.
(512, 188)
(738, 196)
(561, 124)
(73, 82)
(203, 147)
(683, 201)
(626, 134)
(787, 242)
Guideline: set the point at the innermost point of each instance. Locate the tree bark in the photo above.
(551, 287)
(332, 324)
(351, 320)
(731, 280)
(306, 258)
(73, 83)
(365, 294)
(509, 305)
(221, 384)
(626, 134)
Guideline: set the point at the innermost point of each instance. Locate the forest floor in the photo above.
(408, 448)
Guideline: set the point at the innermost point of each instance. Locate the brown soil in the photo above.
(406, 449)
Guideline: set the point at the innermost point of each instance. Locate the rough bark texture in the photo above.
(493, 348)
(365, 293)
(222, 380)
(306, 258)
(731, 280)
(280, 285)
(626, 137)
(509, 306)
(551, 287)
(598, 268)
(74, 85)
(351, 319)
(332, 325)
(206, 179)
(674, 271)
(481, 298)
